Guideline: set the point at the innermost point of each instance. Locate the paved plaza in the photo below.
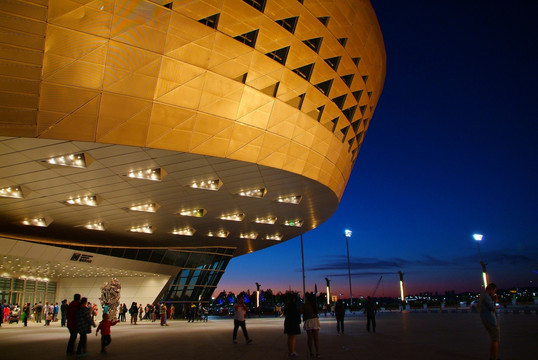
(399, 336)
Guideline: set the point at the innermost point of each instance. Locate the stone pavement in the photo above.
(399, 336)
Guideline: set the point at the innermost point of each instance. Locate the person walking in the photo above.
(72, 309)
(370, 311)
(340, 313)
(104, 326)
(311, 323)
(292, 323)
(487, 307)
(84, 326)
(240, 311)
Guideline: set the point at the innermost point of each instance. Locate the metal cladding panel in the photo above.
(118, 74)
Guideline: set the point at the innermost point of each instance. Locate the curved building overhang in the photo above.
(266, 94)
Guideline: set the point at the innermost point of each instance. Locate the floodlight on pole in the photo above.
(348, 235)
(478, 238)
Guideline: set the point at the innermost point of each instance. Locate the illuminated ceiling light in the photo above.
(233, 217)
(79, 160)
(41, 221)
(156, 174)
(267, 220)
(276, 237)
(251, 236)
(193, 212)
(293, 199)
(256, 193)
(15, 191)
(146, 229)
(151, 208)
(99, 226)
(296, 223)
(207, 184)
(90, 200)
(185, 231)
(220, 233)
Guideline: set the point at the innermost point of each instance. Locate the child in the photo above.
(104, 326)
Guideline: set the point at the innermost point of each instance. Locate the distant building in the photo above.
(153, 141)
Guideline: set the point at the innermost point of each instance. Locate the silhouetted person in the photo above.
(340, 312)
(84, 326)
(292, 322)
(63, 312)
(311, 323)
(370, 310)
(72, 323)
(486, 307)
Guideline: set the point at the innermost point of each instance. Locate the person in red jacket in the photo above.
(104, 326)
(72, 323)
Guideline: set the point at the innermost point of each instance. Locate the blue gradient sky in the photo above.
(452, 149)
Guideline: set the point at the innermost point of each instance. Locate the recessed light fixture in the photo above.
(146, 229)
(296, 223)
(41, 221)
(213, 184)
(99, 226)
(90, 200)
(250, 236)
(16, 192)
(155, 174)
(233, 217)
(151, 207)
(266, 220)
(293, 199)
(79, 160)
(220, 233)
(193, 212)
(255, 193)
(276, 237)
(184, 231)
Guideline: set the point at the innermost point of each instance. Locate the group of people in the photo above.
(310, 318)
(311, 324)
(149, 312)
(79, 317)
(38, 313)
(80, 320)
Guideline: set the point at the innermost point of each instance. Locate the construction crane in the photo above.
(377, 285)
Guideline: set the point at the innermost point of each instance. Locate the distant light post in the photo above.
(348, 235)
(402, 295)
(478, 238)
(302, 261)
(258, 295)
(328, 291)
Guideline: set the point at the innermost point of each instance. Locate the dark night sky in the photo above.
(452, 149)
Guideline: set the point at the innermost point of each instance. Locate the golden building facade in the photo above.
(265, 103)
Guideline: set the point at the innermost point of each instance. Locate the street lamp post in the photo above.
(402, 294)
(258, 298)
(478, 238)
(302, 261)
(348, 235)
(328, 291)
